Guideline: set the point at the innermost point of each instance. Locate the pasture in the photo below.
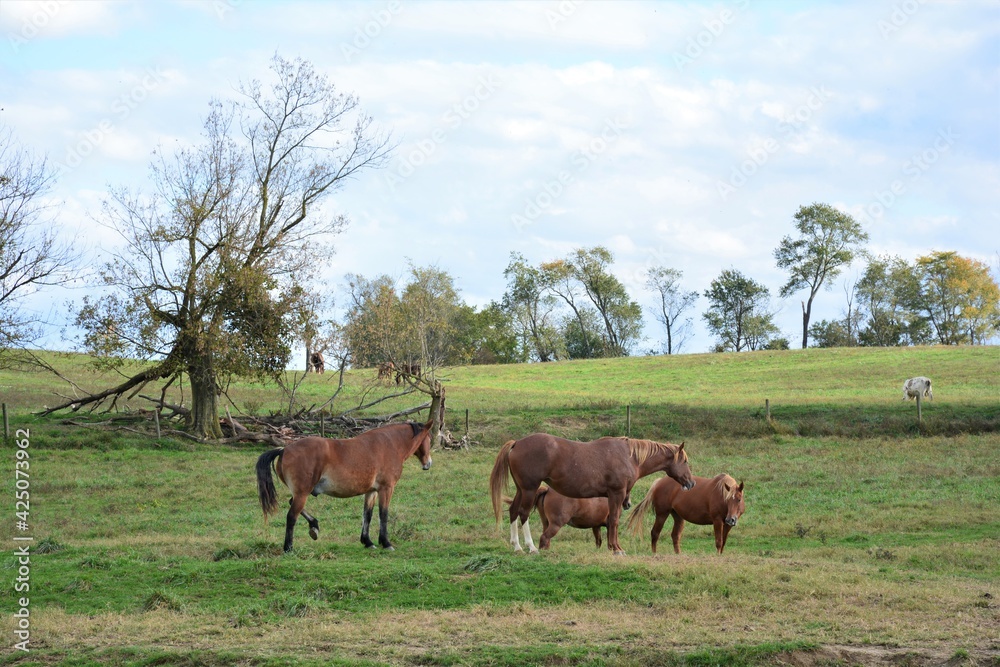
(867, 538)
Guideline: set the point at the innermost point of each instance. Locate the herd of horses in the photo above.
(588, 483)
(388, 369)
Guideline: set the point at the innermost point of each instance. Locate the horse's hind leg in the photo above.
(384, 497)
(311, 520)
(657, 527)
(675, 534)
(297, 504)
(366, 519)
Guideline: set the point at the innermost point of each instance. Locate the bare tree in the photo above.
(31, 255)
(671, 305)
(204, 285)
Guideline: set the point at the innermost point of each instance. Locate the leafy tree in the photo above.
(581, 341)
(671, 304)
(888, 292)
(960, 298)
(621, 316)
(487, 337)
(31, 256)
(531, 308)
(204, 283)
(559, 277)
(829, 334)
(738, 314)
(828, 240)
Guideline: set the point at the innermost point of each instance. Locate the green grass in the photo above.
(154, 552)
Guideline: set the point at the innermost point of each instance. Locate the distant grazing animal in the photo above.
(316, 363)
(368, 464)
(917, 386)
(386, 370)
(717, 502)
(607, 467)
(556, 511)
(407, 369)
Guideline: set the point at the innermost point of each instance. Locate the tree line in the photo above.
(215, 277)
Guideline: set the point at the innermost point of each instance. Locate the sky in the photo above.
(675, 134)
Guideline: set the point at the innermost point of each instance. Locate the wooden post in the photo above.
(628, 420)
(156, 418)
(920, 416)
(6, 426)
(322, 424)
(467, 421)
(767, 408)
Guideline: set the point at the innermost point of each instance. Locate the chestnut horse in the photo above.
(717, 501)
(607, 467)
(556, 511)
(368, 464)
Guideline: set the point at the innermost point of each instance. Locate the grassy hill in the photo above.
(867, 539)
(849, 392)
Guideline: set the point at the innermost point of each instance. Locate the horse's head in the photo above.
(734, 503)
(677, 468)
(423, 450)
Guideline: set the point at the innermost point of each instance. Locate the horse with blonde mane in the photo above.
(606, 467)
(717, 502)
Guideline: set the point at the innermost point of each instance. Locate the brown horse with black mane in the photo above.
(368, 464)
(717, 502)
(607, 467)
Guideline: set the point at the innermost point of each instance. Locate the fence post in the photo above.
(156, 418)
(322, 424)
(920, 416)
(467, 421)
(6, 427)
(628, 420)
(767, 408)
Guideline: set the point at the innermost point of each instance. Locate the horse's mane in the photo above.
(720, 483)
(643, 449)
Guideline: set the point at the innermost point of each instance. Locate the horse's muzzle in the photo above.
(688, 487)
(427, 466)
(731, 521)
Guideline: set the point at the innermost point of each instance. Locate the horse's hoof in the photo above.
(619, 552)
(370, 546)
(533, 551)
(518, 549)
(314, 533)
(389, 548)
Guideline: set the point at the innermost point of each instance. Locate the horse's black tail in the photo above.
(265, 482)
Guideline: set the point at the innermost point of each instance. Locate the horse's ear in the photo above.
(741, 486)
(727, 487)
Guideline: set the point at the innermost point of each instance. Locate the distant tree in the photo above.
(829, 334)
(531, 308)
(960, 298)
(738, 314)
(672, 302)
(828, 240)
(581, 341)
(888, 292)
(203, 283)
(621, 316)
(31, 255)
(489, 337)
(560, 280)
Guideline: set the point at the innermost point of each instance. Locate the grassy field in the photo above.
(868, 539)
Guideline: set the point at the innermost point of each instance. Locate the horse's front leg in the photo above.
(366, 519)
(384, 497)
(615, 501)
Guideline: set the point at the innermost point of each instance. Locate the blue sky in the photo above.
(678, 134)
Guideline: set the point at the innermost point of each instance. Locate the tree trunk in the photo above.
(203, 421)
(437, 413)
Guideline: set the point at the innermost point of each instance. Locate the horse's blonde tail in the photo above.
(499, 478)
(639, 513)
